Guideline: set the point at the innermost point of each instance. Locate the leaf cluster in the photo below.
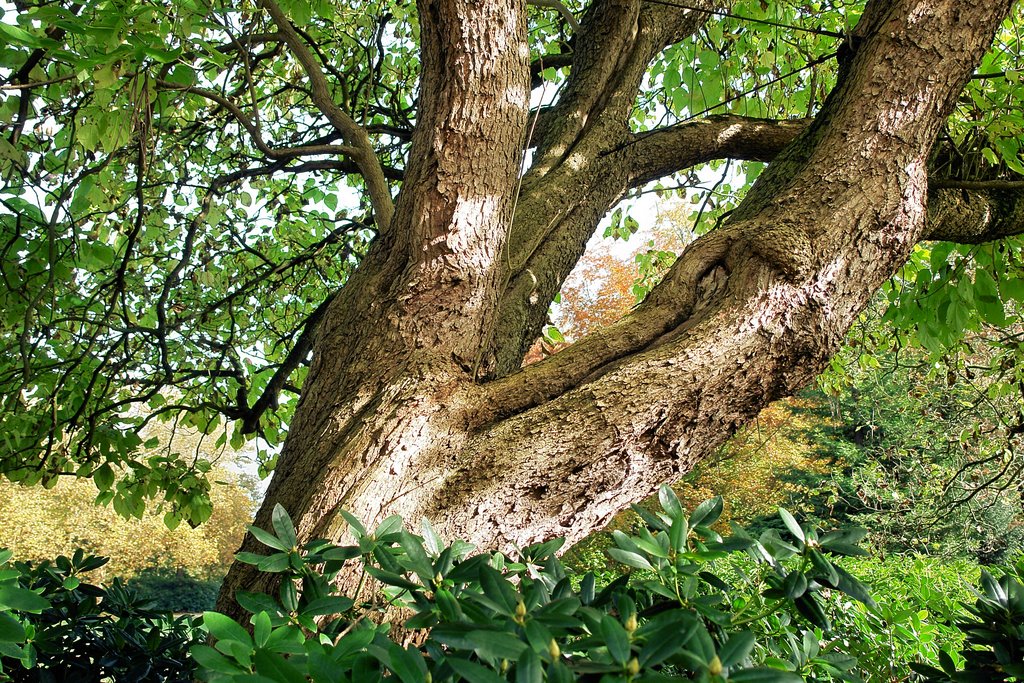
(994, 643)
(55, 626)
(490, 617)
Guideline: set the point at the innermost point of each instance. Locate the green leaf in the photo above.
(431, 540)
(990, 306)
(809, 607)
(823, 567)
(736, 649)
(670, 503)
(529, 668)
(18, 36)
(261, 628)
(354, 524)
(651, 520)
(257, 602)
(103, 477)
(666, 640)
(707, 513)
(22, 599)
(764, 675)
(392, 579)
(496, 645)
(284, 528)
(795, 584)
(268, 539)
(225, 628)
(553, 334)
(211, 660)
(389, 525)
(498, 589)
(407, 664)
(250, 558)
(792, 525)
(616, 638)
(416, 557)
(11, 630)
(450, 608)
(474, 673)
(276, 667)
(677, 533)
(629, 558)
(330, 604)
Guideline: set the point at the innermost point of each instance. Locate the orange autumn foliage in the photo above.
(604, 287)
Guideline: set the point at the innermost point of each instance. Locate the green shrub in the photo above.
(993, 635)
(56, 627)
(691, 605)
(177, 592)
(916, 601)
(492, 618)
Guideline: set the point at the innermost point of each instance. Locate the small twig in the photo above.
(36, 84)
(766, 22)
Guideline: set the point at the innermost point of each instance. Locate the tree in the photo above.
(175, 173)
(40, 524)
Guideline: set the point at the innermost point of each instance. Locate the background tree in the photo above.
(199, 197)
(39, 524)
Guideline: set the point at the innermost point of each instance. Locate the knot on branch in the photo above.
(784, 245)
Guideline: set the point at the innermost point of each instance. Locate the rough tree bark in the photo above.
(416, 404)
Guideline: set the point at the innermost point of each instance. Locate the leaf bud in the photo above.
(715, 667)
(520, 612)
(631, 623)
(633, 668)
(554, 650)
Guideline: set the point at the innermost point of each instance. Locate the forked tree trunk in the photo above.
(411, 405)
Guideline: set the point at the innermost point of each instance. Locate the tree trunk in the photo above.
(415, 404)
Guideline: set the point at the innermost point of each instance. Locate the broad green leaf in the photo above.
(736, 649)
(629, 558)
(276, 667)
(474, 673)
(707, 513)
(268, 539)
(224, 628)
(529, 668)
(792, 524)
(496, 645)
(211, 660)
(670, 503)
(285, 529)
(764, 675)
(22, 599)
(11, 630)
(616, 638)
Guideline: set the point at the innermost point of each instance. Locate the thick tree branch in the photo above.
(662, 152)
(696, 268)
(574, 181)
(354, 135)
(982, 212)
